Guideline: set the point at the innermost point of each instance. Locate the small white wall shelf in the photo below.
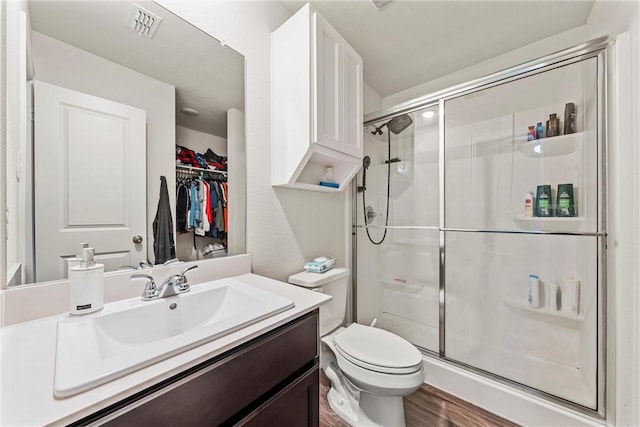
(552, 146)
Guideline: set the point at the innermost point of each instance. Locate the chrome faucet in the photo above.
(175, 284)
(172, 285)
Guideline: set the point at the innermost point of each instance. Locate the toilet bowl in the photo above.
(370, 369)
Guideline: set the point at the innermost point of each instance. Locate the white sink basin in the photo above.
(131, 334)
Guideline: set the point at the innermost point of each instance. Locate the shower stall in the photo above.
(448, 256)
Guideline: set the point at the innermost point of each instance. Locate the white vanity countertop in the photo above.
(28, 357)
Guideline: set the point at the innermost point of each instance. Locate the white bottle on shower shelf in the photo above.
(534, 291)
(552, 296)
(570, 295)
(86, 285)
(528, 204)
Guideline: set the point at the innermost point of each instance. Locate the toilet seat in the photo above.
(377, 350)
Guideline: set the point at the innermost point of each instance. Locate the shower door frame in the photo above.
(597, 48)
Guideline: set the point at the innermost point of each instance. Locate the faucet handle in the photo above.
(150, 289)
(183, 283)
(187, 269)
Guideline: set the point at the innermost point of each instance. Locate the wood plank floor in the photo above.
(428, 406)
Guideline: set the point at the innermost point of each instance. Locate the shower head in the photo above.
(395, 125)
(399, 123)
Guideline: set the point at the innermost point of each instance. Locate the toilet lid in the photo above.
(377, 350)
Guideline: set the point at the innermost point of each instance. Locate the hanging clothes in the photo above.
(194, 209)
(201, 205)
(219, 209)
(213, 198)
(182, 207)
(164, 247)
(225, 205)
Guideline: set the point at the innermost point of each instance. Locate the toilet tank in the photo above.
(334, 282)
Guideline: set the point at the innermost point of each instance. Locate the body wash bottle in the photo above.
(528, 204)
(86, 287)
(534, 291)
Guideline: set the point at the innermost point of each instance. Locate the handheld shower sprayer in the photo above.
(366, 162)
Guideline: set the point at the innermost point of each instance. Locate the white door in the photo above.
(89, 180)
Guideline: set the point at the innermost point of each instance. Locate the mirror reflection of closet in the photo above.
(90, 48)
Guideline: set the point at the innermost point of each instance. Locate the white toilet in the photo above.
(370, 369)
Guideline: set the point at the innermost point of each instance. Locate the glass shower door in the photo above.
(398, 254)
(522, 282)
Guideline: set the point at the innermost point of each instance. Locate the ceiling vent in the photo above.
(142, 21)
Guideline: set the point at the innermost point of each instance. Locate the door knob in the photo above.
(137, 239)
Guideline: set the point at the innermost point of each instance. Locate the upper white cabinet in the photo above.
(316, 97)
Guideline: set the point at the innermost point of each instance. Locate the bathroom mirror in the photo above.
(161, 82)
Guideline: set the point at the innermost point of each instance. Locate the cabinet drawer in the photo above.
(220, 390)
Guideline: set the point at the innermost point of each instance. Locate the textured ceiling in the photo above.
(411, 42)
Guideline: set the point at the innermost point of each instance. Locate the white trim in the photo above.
(3, 148)
(623, 245)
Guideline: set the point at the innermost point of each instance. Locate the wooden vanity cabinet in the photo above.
(271, 380)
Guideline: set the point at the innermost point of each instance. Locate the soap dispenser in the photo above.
(75, 261)
(86, 287)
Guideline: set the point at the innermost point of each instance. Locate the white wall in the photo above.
(372, 101)
(3, 145)
(200, 141)
(64, 65)
(285, 227)
(237, 182)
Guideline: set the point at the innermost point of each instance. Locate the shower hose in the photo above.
(364, 203)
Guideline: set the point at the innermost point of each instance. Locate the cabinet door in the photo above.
(327, 128)
(297, 405)
(352, 101)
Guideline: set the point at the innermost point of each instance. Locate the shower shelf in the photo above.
(408, 285)
(543, 312)
(552, 223)
(552, 146)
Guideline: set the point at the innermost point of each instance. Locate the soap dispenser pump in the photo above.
(86, 287)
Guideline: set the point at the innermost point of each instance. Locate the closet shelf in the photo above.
(552, 146)
(195, 169)
(542, 312)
